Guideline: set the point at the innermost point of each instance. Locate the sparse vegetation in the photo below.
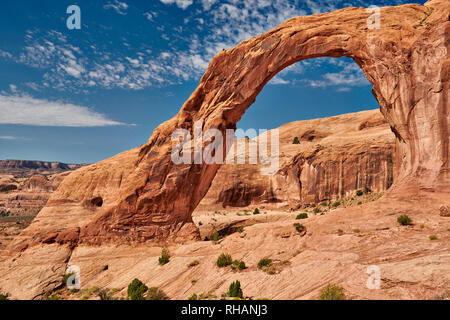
(136, 290)
(336, 204)
(5, 213)
(332, 292)
(165, 256)
(193, 263)
(104, 294)
(264, 262)
(359, 193)
(316, 210)
(235, 290)
(340, 232)
(302, 216)
(156, 294)
(224, 260)
(433, 237)
(193, 297)
(3, 296)
(404, 220)
(240, 229)
(256, 211)
(296, 141)
(238, 265)
(299, 227)
(356, 231)
(216, 236)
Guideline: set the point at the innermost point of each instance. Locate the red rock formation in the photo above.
(146, 197)
(336, 156)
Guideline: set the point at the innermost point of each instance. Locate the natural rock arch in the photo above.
(146, 197)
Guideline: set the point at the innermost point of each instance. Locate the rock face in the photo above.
(335, 157)
(141, 195)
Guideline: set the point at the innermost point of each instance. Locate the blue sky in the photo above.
(84, 95)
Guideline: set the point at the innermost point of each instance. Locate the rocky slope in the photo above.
(335, 157)
(141, 197)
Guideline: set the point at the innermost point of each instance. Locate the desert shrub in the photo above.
(215, 237)
(359, 203)
(340, 232)
(264, 262)
(299, 227)
(165, 257)
(104, 294)
(156, 294)
(200, 223)
(5, 213)
(433, 237)
(238, 265)
(316, 210)
(404, 220)
(302, 216)
(323, 204)
(235, 290)
(367, 190)
(193, 297)
(224, 260)
(332, 292)
(359, 193)
(296, 141)
(136, 290)
(356, 230)
(336, 204)
(193, 263)
(240, 229)
(3, 296)
(256, 211)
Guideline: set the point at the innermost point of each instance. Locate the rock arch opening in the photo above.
(149, 198)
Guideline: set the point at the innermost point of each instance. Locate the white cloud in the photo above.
(182, 4)
(117, 6)
(150, 15)
(8, 138)
(26, 110)
(278, 80)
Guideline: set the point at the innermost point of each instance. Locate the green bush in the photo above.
(359, 193)
(240, 229)
(332, 292)
(404, 220)
(3, 296)
(264, 262)
(5, 213)
(299, 227)
(235, 290)
(433, 237)
(216, 236)
(224, 260)
(136, 290)
(104, 294)
(316, 210)
(193, 297)
(302, 216)
(165, 257)
(336, 204)
(256, 211)
(238, 265)
(296, 141)
(156, 294)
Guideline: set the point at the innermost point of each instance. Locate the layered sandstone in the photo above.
(335, 157)
(142, 196)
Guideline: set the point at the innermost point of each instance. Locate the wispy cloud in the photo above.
(183, 4)
(26, 110)
(117, 6)
(8, 138)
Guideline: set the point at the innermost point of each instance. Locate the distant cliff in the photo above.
(28, 168)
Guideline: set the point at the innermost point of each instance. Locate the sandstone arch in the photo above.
(145, 197)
